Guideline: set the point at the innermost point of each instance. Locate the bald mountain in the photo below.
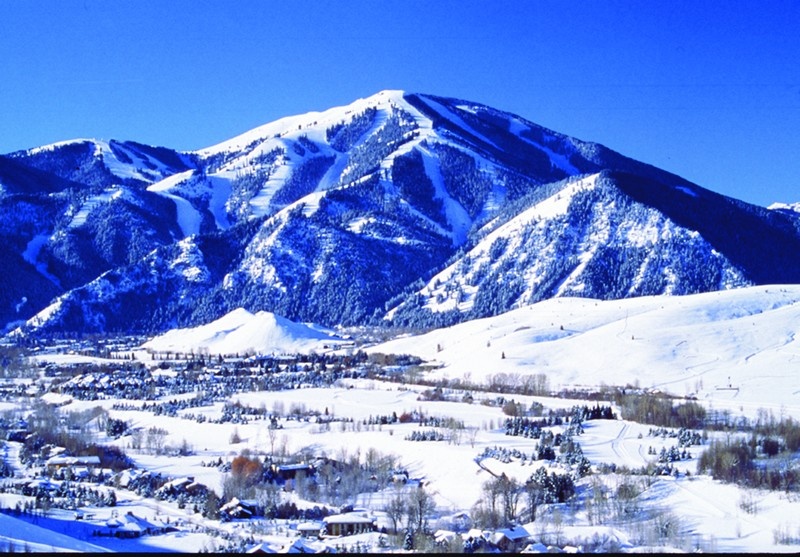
(416, 209)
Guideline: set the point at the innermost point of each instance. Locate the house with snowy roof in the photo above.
(301, 545)
(511, 539)
(131, 526)
(244, 508)
(56, 463)
(348, 524)
(310, 529)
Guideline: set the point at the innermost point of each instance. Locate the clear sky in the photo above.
(707, 89)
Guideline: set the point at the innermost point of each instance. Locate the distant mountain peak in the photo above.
(792, 207)
(416, 208)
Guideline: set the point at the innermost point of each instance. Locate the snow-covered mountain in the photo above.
(786, 207)
(419, 209)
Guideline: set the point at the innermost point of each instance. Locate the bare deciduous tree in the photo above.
(420, 506)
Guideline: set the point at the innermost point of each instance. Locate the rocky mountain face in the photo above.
(411, 209)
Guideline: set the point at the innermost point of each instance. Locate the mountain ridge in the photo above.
(343, 216)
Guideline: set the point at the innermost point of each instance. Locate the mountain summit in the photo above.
(408, 208)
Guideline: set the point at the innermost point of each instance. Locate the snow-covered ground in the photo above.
(241, 332)
(709, 513)
(733, 350)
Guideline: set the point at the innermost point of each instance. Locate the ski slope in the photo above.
(735, 348)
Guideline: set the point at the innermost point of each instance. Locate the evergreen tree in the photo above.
(408, 541)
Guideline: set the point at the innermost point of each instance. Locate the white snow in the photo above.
(57, 144)
(189, 218)
(243, 332)
(517, 127)
(190, 262)
(457, 217)
(185, 186)
(551, 207)
(283, 133)
(705, 345)
(456, 119)
(795, 207)
(25, 536)
(42, 316)
(139, 169)
(733, 350)
(687, 190)
(110, 194)
(31, 255)
(312, 124)
(696, 344)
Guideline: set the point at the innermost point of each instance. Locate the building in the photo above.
(131, 526)
(511, 539)
(348, 524)
(287, 472)
(243, 509)
(311, 529)
(58, 462)
(261, 549)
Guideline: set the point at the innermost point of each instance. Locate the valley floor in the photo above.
(449, 443)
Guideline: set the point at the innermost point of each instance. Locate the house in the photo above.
(245, 509)
(122, 529)
(81, 472)
(195, 487)
(444, 537)
(18, 435)
(310, 529)
(474, 540)
(286, 472)
(458, 522)
(348, 524)
(130, 526)
(400, 478)
(511, 539)
(179, 483)
(56, 463)
(536, 547)
(38, 486)
(178, 486)
(130, 478)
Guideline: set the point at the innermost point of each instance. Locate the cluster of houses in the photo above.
(312, 534)
(514, 539)
(344, 524)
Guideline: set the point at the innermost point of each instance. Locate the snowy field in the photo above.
(709, 512)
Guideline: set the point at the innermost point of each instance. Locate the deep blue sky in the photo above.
(708, 90)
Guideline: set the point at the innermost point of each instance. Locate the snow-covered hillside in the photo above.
(241, 332)
(735, 348)
(585, 239)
